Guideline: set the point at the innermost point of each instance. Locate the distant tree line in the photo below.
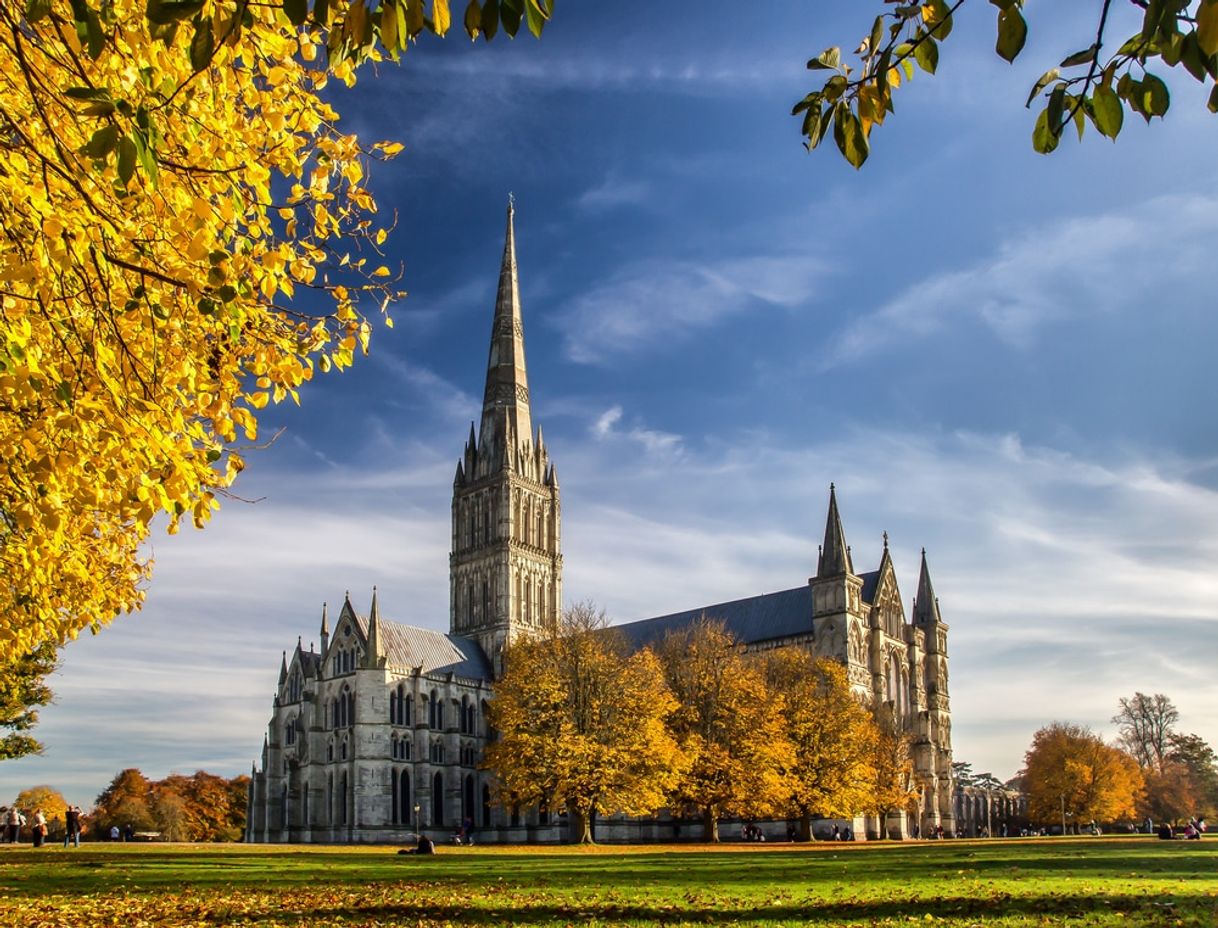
(200, 807)
(1151, 770)
(697, 724)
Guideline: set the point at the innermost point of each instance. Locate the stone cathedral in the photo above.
(380, 733)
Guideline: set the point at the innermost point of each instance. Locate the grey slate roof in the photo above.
(871, 580)
(310, 662)
(407, 647)
(758, 618)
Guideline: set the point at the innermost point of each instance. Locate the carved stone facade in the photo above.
(381, 733)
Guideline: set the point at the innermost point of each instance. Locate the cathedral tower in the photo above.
(838, 612)
(505, 569)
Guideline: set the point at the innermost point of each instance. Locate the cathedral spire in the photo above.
(834, 555)
(376, 647)
(505, 402)
(926, 606)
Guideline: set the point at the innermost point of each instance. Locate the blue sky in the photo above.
(1002, 357)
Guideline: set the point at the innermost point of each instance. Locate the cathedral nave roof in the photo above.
(407, 647)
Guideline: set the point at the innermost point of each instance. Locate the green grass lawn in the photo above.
(1085, 881)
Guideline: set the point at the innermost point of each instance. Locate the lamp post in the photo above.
(988, 779)
(1063, 815)
(416, 819)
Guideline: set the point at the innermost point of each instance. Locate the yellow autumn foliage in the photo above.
(581, 723)
(183, 223)
(831, 773)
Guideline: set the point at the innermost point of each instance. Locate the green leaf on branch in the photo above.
(102, 142)
(1044, 139)
(473, 19)
(926, 53)
(941, 28)
(490, 19)
(164, 12)
(1086, 56)
(510, 14)
(202, 44)
(1207, 27)
(1045, 80)
(1012, 33)
(296, 11)
(828, 60)
(1155, 97)
(1107, 112)
(848, 133)
(36, 10)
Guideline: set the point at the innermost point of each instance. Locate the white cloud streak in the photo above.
(652, 300)
(1114, 262)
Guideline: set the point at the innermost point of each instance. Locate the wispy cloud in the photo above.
(1114, 262)
(658, 445)
(651, 300)
(614, 192)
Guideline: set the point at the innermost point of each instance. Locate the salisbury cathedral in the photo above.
(380, 733)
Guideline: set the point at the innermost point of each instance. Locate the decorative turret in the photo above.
(834, 553)
(374, 656)
(926, 606)
(325, 628)
(283, 669)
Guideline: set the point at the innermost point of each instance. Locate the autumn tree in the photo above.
(1070, 770)
(126, 801)
(729, 726)
(1095, 85)
(188, 235)
(893, 787)
(1145, 725)
(580, 723)
(47, 799)
(23, 689)
(1194, 754)
(833, 738)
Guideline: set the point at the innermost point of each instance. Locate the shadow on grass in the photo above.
(1054, 906)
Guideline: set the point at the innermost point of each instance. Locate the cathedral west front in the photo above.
(379, 734)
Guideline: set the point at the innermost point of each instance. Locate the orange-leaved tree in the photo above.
(47, 800)
(188, 235)
(1070, 772)
(580, 723)
(729, 725)
(834, 739)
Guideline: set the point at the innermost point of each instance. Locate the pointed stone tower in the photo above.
(929, 621)
(505, 569)
(839, 615)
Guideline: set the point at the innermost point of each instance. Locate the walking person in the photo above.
(12, 825)
(38, 831)
(71, 820)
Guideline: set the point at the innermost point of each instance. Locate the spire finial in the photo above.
(511, 202)
(886, 541)
(834, 557)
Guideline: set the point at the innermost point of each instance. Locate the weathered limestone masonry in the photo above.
(380, 734)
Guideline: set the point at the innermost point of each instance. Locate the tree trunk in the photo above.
(805, 827)
(710, 824)
(579, 825)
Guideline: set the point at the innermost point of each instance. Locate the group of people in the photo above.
(1191, 832)
(14, 821)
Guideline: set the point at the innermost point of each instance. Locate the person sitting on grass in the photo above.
(425, 846)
